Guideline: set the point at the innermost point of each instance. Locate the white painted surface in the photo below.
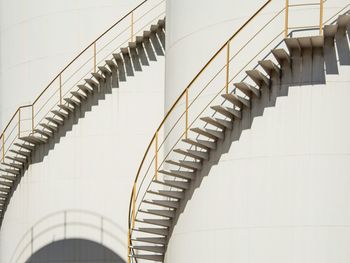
(281, 192)
(38, 38)
(92, 168)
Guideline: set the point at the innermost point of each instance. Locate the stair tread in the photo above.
(227, 112)
(194, 154)
(186, 164)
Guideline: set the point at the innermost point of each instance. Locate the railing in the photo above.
(65, 225)
(213, 80)
(27, 117)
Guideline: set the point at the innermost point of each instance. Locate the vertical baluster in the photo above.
(156, 157)
(32, 118)
(3, 146)
(321, 16)
(95, 57)
(227, 66)
(286, 19)
(186, 128)
(132, 27)
(19, 122)
(60, 86)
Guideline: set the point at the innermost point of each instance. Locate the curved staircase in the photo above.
(140, 51)
(155, 207)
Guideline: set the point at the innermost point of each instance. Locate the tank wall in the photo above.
(279, 193)
(38, 38)
(82, 186)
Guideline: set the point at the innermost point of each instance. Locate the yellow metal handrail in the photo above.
(29, 113)
(185, 96)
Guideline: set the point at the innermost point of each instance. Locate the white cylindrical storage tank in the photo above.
(77, 185)
(278, 192)
(39, 38)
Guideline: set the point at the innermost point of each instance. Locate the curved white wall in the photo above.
(93, 166)
(38, 38)
(280, 194)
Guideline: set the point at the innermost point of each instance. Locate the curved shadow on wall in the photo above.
(308, 68)
(75, 250)
(69, 225)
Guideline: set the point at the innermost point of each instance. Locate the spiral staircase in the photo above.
(154, 216)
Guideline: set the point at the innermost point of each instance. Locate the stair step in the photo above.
(22, 153)
(72, 102)
(25, 146)
(247, 89)
(161, 23)
(199, 155)
(219, 123)
(177, 184)
(157, 222)
(80, 96)
(269, 67)
(181, 174)
(168, 193)
(212, 134)
(93, 84)
(163, 203)
(9, 177)
(330, 30)
(54, 120)
(281, 55)
(343, 23)
(186, 164)
(49, 127)
(260, 79)
(5, 189)
(4, 196)
(66, 108)
(201, 143)
(43, 132)
(157, 258)
(236, 100)
(153, 240)
(13, 165)
(111, 64)
(155, 249)
(17, 159)
(98, 76)
(60, 114)
(4, 183)
(105, 70)
(11, 171)
(157, 212)
(227, 112)
(86, 90)
(293, 46)
(33, 139)
(153, 230)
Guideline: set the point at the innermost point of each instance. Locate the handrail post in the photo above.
(186, 128)
(60, 83)
(95, 57)
(3, 147)
(133, 205)
(129, 244)
(286, 19)
(156, 157)
(227, 66)
(132, 27)
(19, 122)
(321, 16)
(33, 118)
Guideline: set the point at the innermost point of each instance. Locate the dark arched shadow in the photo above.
(75, 250)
